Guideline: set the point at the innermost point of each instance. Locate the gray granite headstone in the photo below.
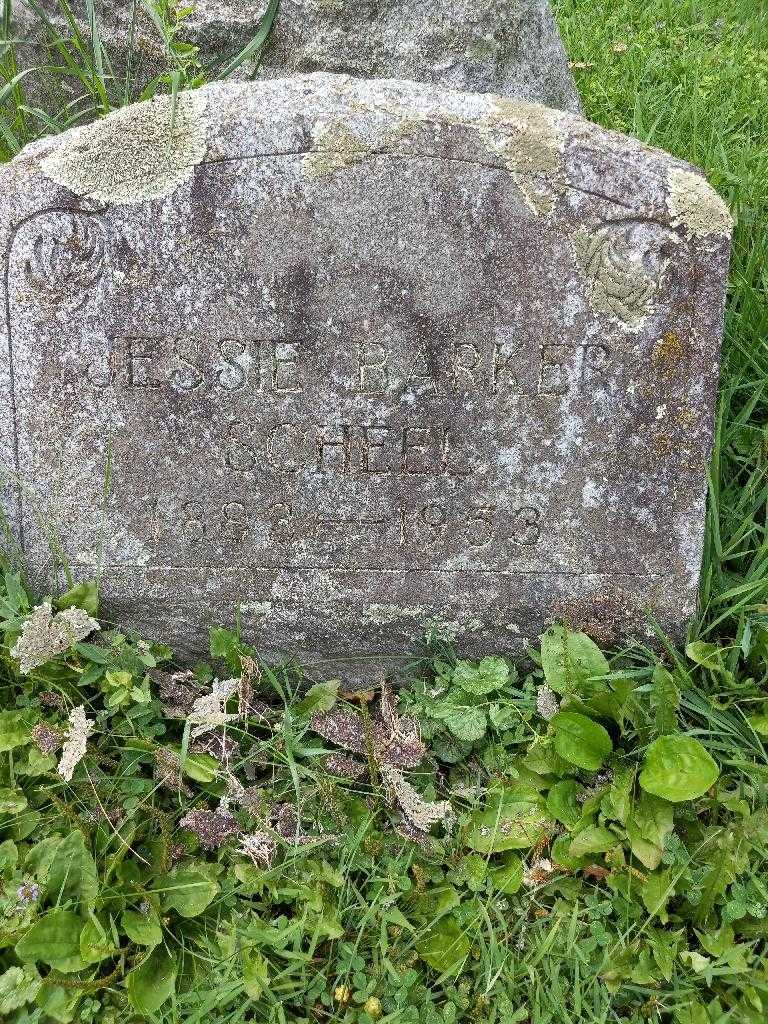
(512, 49)
(358, 357)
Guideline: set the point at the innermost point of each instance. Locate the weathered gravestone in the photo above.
(360, 355)
(509, 49)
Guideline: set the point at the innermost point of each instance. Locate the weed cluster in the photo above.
(481, 843)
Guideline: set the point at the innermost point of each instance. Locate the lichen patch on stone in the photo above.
(135, 154)
(617, 286)
(384, 614)
(695, 206)
(528, 139)
(336, 146)
(668, 354)
(259, 609)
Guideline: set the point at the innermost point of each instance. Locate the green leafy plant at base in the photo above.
(211, 842)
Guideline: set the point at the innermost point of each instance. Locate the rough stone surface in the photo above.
(511, 49)
(508, 48)
(362, 358)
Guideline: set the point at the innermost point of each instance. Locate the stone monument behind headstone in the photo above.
(512, 49)
(359, 356)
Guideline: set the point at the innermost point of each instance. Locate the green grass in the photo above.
(583, 947)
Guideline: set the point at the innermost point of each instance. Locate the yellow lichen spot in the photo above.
(138, 153)
(617, 286)
(528, 139)
(685, 416)
(335, 146)
(667, 353)
(694, 205)
(661, 443)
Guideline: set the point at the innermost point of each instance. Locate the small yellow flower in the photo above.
(342, 994)
(620, 47)
(372, 1007)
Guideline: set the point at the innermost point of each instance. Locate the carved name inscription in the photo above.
(190, 364)
(348, 395)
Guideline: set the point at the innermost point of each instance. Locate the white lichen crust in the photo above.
(695, 206)
(334, 147)
(528, 139)
(617, 286)
(140, 152)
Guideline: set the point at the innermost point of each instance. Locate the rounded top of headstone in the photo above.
(147, 150)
